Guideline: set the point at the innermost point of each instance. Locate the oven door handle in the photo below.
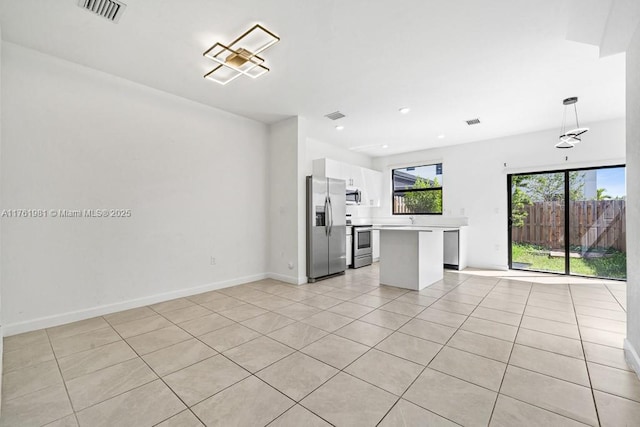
(359, 229)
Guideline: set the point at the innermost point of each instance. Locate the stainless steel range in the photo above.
(362, 251)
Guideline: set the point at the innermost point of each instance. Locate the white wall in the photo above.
(291, 155)
(632, 345)
(475, 178)
(1, 206)
(302, 200)
(195, 179)
(286, 237)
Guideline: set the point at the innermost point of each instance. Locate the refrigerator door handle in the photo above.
(330, 216)
(326, 215)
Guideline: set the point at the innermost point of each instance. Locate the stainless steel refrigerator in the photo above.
(326, 227)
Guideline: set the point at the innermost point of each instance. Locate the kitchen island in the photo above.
(411, 257)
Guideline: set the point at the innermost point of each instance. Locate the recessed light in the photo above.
(404, 110)
(441, 136)
(339, 127)
(385, 146)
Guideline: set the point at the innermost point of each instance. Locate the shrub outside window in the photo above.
(417, 190)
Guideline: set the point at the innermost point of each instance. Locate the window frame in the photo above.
(397, 192)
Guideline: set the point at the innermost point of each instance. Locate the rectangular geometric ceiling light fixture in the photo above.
(240, 57)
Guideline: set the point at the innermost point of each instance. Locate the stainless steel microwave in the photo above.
(354, 196)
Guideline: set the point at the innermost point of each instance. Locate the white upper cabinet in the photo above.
(329, 168)
(332, 169)
(368, 181)
(373, 186)
(356, 173)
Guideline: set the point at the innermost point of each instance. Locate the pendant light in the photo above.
(569, 138)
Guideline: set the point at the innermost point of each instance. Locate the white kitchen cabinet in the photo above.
(349, 248)
(334, 169)
(373, 188)
(375, 245)
(356, 176)
(368, 181)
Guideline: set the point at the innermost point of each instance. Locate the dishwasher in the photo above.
(452, 249)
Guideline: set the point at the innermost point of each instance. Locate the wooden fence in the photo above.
(593, 224)
(399, 206)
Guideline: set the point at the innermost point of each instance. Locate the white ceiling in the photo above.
(508, 62)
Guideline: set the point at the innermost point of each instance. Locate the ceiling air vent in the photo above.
(473, 122)
(335, 115)
(108, 9)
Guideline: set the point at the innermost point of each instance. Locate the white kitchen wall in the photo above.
(632, 345)
(194, 177)
(475, 178)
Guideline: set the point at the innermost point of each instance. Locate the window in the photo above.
(417, 190)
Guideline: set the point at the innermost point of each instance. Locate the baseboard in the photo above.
(74, 316)
(631, 356)
(284, 278)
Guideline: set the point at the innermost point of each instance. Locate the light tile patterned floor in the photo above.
(475, 349)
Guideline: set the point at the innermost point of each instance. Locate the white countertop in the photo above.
(418, 221)
(414, 228)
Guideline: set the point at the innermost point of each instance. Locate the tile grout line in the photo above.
(614, 295)
(370, 348)
(510, 354)
(338, 371)
(64, 383)
(295, 350)
(251, 374)
(546, 375)
(427, 365)
(352, 320)
(593, 396)
(528, 403)
(303, 407)
(155, 373)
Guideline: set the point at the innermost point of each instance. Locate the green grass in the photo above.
(613, 265)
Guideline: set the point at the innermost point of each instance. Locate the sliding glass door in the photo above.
(597, 231)
(538, 222)
(570, 222)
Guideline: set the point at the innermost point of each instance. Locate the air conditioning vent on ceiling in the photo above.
(473, 122)
(335, 115)
(108, 9)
